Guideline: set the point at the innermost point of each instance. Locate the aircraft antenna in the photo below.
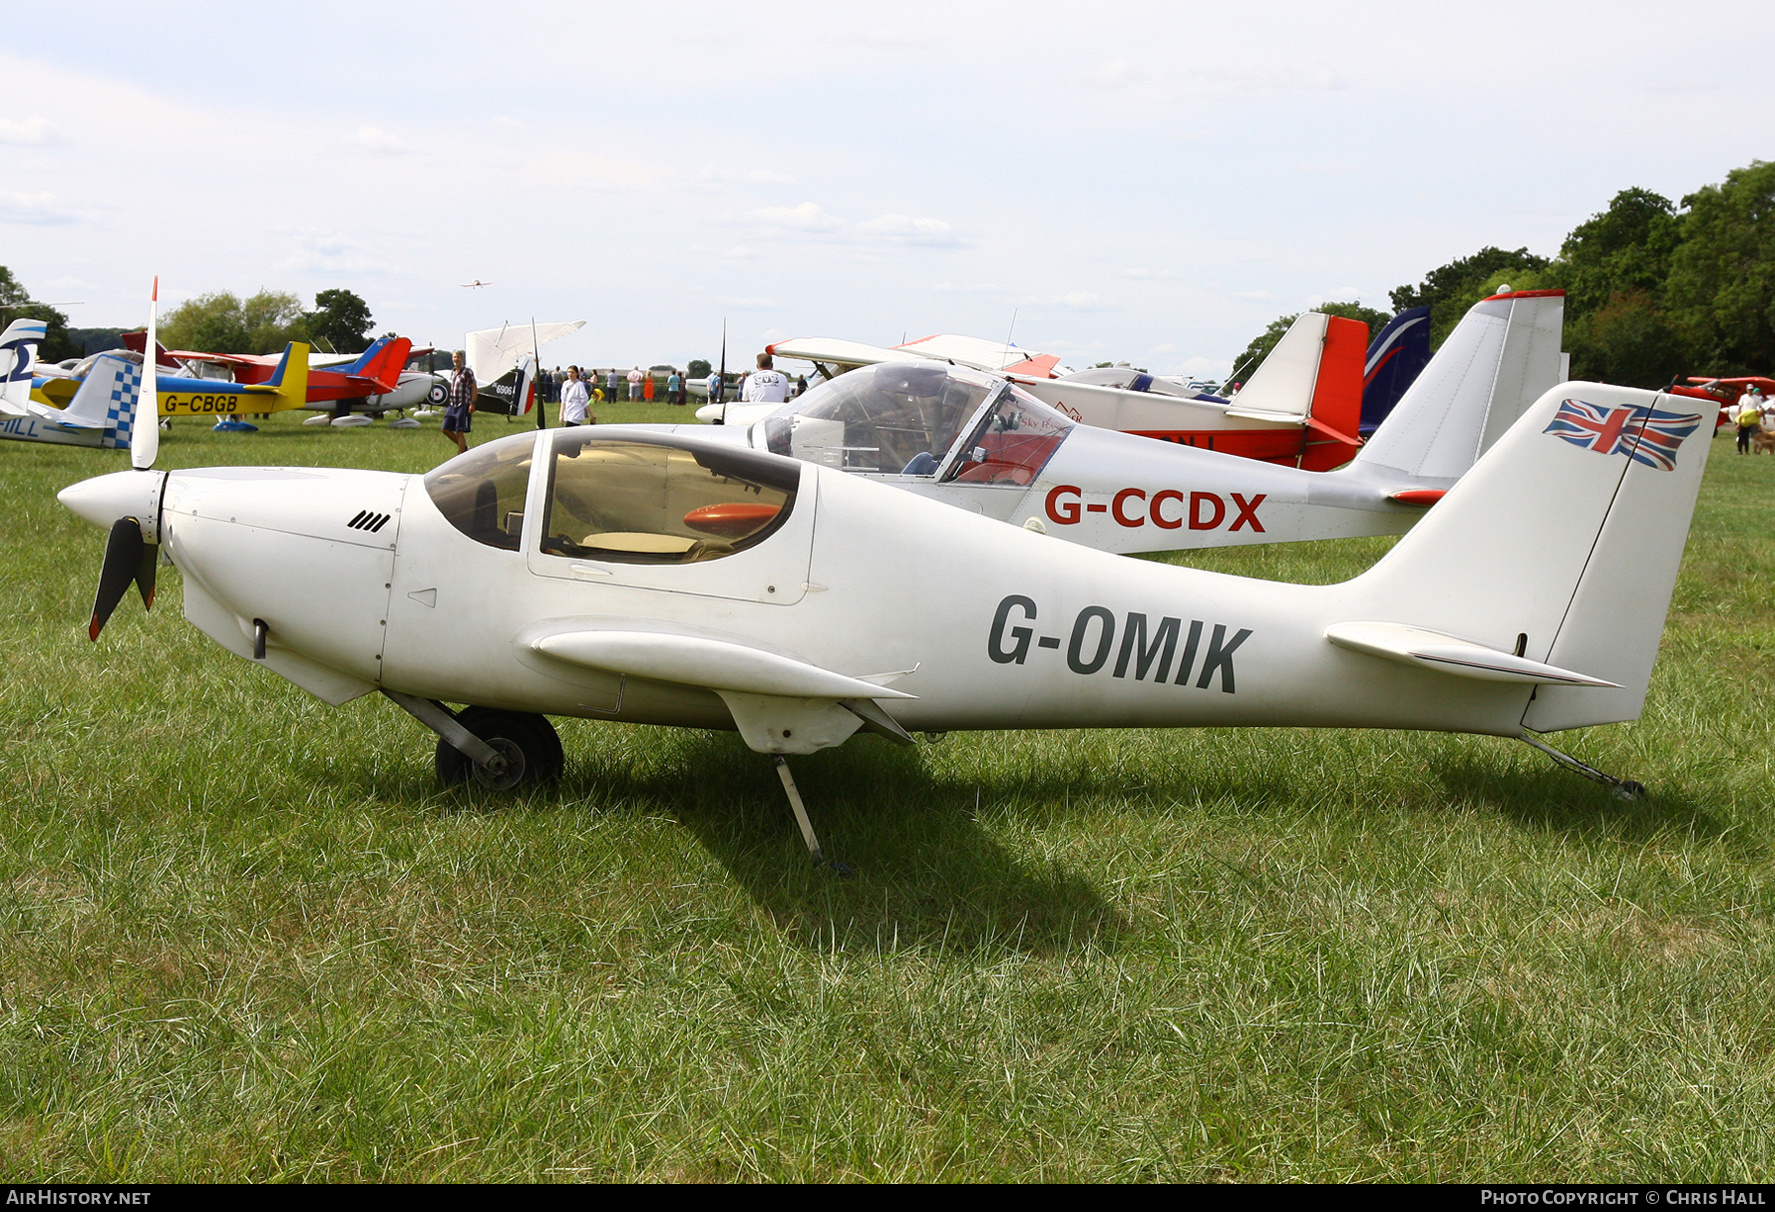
(1011, 331)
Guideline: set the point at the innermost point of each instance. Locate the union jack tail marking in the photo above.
(1645, 435)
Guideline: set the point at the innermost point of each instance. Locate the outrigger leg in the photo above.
(1624, 789)
(807, 828)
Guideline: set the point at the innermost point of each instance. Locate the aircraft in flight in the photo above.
(982, 443)
(675, 579)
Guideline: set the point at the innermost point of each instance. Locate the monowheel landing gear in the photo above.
(500, 750)
(529, 743)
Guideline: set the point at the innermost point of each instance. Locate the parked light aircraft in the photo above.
(192, 396)
(614, 573)
(1301, 407)
(101, 412)
(982, 443)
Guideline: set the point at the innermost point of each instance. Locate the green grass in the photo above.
(246, 936)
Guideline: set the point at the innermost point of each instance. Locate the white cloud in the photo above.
(29, 132)
(739, 252)
(332, 254)
(753, 304)
(1078, 300)
(375, 139)
(765, 176)
(809, 217)
(36, 209)
(1259, 295)
(970, 288)
(905, 229)
(1148, 274)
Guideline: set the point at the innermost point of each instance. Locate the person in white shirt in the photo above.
(574, 398)
(635, 384)
(715, 386)
(764, 385)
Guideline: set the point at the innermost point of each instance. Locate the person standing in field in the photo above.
(1750, 417)
(610, 381)
(647, 387)
(574, 398)
(634, 384)
(716, 387)
(461, 406)
(766, 385)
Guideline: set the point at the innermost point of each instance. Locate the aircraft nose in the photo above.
(103, 499)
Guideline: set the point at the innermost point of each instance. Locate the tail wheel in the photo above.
(529, 743)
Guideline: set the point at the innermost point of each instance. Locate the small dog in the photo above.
(1762, 441)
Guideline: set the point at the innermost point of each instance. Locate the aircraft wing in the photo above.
(835, 351)
(977, 352)
(491, 352)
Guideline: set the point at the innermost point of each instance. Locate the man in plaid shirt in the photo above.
(462, 402)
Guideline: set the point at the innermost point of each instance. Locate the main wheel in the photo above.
(529, 744)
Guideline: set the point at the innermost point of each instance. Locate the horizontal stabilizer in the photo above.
(1463, 658)
(699, 661)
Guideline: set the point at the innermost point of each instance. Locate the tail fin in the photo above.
(1335, 414)
(381, 363)
(1281, 388)
(1498, 360)
(1561, 546)
(1399, 352)
(107, 400)
(1312, 376)
(290, 379)
(18, 354)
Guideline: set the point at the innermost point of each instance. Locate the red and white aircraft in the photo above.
(988, 445)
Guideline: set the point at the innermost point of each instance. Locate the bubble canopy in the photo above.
(618, 497)
(923, 419)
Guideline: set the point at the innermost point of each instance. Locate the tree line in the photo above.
(217, 322)
(1655, 289)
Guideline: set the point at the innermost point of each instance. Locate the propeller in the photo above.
(128, 557)
(144, 443)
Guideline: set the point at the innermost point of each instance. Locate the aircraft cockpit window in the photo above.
(482, 492)
(641, 503)
(1011, 443)
(896, 418)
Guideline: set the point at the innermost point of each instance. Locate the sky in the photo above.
(1151, 183)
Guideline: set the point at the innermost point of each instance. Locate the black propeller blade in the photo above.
(127, 558)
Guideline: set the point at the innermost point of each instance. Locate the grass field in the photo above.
(246, 936)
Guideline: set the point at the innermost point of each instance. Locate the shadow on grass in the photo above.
(925, 872)
(1557, 801)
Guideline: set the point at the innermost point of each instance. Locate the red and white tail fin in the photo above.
(1313, 377)
(1561, 546)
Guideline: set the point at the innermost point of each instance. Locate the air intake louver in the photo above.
(366, 520)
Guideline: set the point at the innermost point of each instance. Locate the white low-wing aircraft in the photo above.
(982, 443)
(613, 573)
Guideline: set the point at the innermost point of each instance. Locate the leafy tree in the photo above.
(1626, 248)
(340, 320)
(1629, 340)
(1721, 289)
(16, 304)
(699, 368)
(220, 322)
(1260, 347)
(1449, 290)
